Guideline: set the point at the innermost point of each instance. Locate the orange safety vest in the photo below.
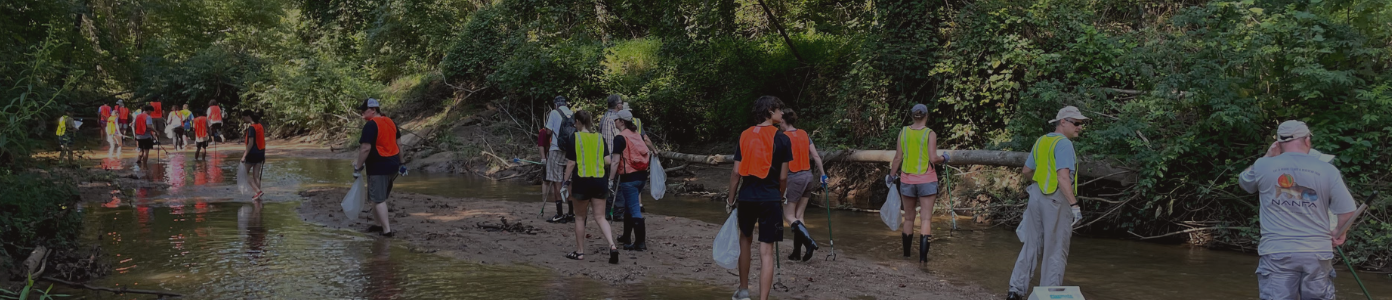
(104, 111)
(802, 150)
(123, 113)
(215, 113)
(260, 137)
(159, 112)
(200, 127)
(140, 124)
(386, 136)
(756, 151)
(635, 153)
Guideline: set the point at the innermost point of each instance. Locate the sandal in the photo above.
(576, 256)
(389, 234)
(613, 256)
(258, 195)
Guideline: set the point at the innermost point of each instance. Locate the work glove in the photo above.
(824, 180)
(1077, 215)
(891, 180)
(402, 170)
(945, 157)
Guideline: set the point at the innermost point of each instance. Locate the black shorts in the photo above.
(145, 144)
(201, 145)
(178, 131)
(769, 216)
(589, 188)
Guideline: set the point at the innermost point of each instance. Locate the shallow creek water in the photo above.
(204, 240)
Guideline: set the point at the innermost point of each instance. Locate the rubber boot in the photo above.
(806, 240)
(908, 243)
(627, 230)
(640, 235)
(923, 245)
(797, 244)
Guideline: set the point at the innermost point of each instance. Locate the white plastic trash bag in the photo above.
(242, 185)
(354, 201)
(726, 249)
(889, 213)
(658, 178)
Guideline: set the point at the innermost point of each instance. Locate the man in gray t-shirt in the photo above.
(555, 159)
(1298, 193)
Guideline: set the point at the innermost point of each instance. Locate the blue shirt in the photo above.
(753, 188)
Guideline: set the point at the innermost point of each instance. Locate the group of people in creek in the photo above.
(594, 160)
(590, 164)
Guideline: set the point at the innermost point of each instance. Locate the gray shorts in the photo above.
(800, 185)
(1296, 276)
(918, 190)
(379, 187)
(555, 166)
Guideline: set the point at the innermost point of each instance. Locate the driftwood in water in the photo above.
(1094, 169)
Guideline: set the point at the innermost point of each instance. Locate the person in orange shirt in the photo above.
(215, 116)
(801, 183)
(380, 156)
(157, 115)
(759, 180)
(200, 136)
(144, 130)
(255, 156)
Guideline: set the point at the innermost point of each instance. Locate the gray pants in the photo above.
(1047, 227)
(1306, 276)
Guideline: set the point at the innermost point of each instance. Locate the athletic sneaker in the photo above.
(559, 218)
(741, 294)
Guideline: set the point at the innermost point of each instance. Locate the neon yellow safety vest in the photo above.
(1046, 173)
(638, 122)
(915, 146)
(62, 125)
(589, 154)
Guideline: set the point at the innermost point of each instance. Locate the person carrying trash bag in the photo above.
(1298, 192)
(801, 183)
(632, 169)
(913, 171)
(380, 155)
(759, 180)
(588, 181)
(1053, 209)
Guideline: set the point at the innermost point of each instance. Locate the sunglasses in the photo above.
(1076, 122)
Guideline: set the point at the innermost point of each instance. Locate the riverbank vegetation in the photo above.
(1187, 93)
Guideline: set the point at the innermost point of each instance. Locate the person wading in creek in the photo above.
(560, 124)
(608, 130)
(586, 160)
(380, 155)
(759, 180)
(215, 116)
(175, 128)
(144, 130)
(123, 115)
(913, 171)
(200, 136)
(632, 167)
(801, 183)
(1298, 192)
(113, 134)
(255, 156)
(157, 115)
(1053, 209)
(102, 113)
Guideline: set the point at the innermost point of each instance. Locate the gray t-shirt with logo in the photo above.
(1298, 193)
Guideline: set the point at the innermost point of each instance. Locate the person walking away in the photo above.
(561, 125)
(176, 132)
(201, 137)
(912, 169)
(123, 114)
(614, 104)
(586, 160)
(380, 155)
(1047, 225)
(759, 180)
(801, 183)
(112, 129)
(103, 112)
(215, 116)
(255, 156)
(188, 125)
(157, 115)
(632, 167)
(1298, 191)
(651, 147)
(65, 136)
(144, 132)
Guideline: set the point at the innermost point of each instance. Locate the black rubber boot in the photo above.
(908, 243)
(923, 245)
(640, 235)
(806, 240)
(627, 232)
(797, 244)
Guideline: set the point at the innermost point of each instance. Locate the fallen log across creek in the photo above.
(1093, 169)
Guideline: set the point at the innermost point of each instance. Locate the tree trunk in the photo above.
(1094, 169)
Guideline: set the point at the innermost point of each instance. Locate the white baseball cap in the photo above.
(1291, 130)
